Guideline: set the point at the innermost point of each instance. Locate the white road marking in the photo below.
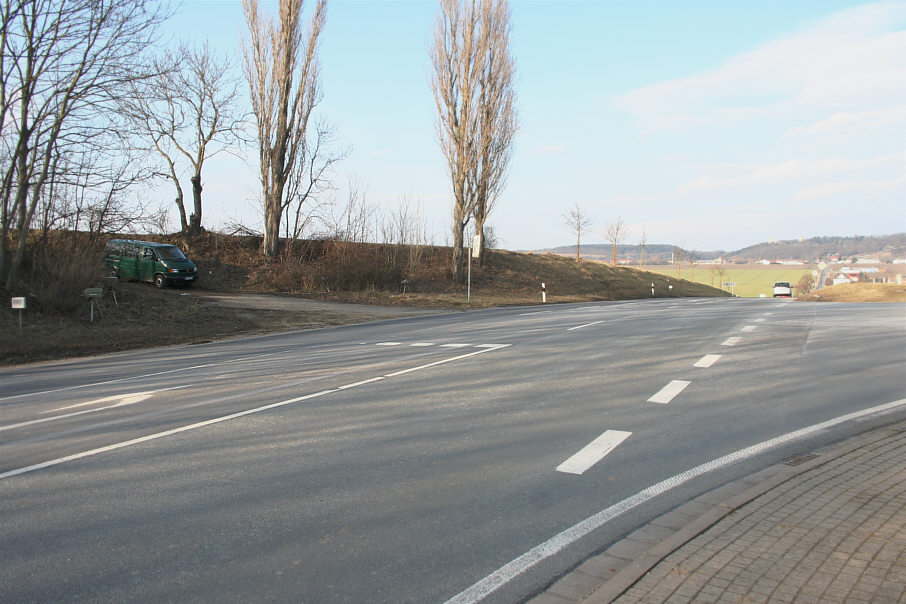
(217, 420)
(593, 452)
(760, 320)
(586, 325)
(442, 361)
(453, 345)
(388, 343)
(362, 383)
(123, 399)
(749, 328)
(731, 341)
(139, 377)
(707, 360)
(668, 392)
(553, 546)
(422, 344)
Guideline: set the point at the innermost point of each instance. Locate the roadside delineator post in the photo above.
(652, 289)
(543, 293)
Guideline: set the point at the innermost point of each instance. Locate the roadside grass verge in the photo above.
(859, 292)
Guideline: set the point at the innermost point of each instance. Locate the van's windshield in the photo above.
(170, 252)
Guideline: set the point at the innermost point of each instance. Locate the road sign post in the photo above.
(19, 304)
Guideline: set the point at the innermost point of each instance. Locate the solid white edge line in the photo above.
(362, 383)
(559, 542)
(217, 420)
(668, 392)
(158, 435)
(586, 325)
(707, 361)
(450, 360)
(593, 452)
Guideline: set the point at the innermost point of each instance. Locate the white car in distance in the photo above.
(783, 289)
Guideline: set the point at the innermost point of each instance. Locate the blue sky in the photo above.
(712, 125)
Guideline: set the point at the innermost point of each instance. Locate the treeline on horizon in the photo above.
(808, 249)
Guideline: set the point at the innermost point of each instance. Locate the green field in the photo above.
(751, 280)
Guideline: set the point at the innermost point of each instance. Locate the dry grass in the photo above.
(859, 292)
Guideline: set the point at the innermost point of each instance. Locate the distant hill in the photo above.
(883, 247)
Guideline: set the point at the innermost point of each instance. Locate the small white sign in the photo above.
(18, 302)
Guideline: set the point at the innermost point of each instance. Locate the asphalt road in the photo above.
(467, 457)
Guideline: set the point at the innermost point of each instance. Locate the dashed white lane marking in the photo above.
(223, 418)
(586, 325)
(388, 344)
(593, 452)
(556, 544)
(731, 341)
(749, 328)
(422, 344)
(453, 345)
(668, 392)
(760, 320)
(707, 360)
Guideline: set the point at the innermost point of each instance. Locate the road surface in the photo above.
(464, 457)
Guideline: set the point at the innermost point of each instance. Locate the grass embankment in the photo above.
(859, 292)
(56, 323)
(751, 281)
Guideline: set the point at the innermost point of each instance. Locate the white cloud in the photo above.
(854, 189)
(851, 58)
(849, 124)
(785, 172)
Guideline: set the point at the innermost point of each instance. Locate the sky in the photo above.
(705, 124)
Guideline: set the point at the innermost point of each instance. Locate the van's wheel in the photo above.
(159, 281)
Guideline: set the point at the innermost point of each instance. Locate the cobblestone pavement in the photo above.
(829, 527)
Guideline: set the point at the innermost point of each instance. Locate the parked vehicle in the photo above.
(783, 289)
(160, 263)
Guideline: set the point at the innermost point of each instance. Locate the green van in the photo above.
(161, 263)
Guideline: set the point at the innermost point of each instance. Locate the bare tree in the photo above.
(281, 65)
(614, 234)
(188, 110)
(642, 241)
(678, 253)
(64, 64)
(497, 120)
(472, 80)
(578, 222)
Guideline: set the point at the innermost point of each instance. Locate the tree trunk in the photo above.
(458, 237)
(270, 247)
(195, 218)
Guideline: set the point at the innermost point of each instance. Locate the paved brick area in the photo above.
(835, 534)
(828, 528)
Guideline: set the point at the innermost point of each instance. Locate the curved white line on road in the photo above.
(559, 542)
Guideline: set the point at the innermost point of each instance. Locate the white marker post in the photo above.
(19, 303)
(543, 293)
(652, 289)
